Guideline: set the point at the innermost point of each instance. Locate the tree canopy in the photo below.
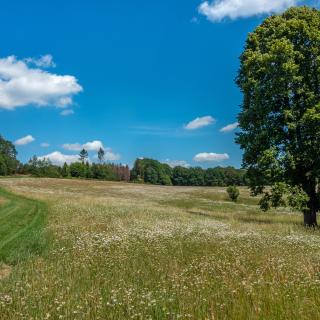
(279, 77)
(8, 160)
(155, 172)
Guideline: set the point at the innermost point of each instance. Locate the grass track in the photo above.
(21, 227)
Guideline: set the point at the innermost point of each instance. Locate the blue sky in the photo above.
(130, 76)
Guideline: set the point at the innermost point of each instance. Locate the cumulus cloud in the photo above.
(220, 9)
(93, 146)
(45, 61)
(22, 85)
(44, 145)
(111, 156)
(89, 146)
(211, 157)
(177, 163)
(67, 112)
(72, 146)
(230, 127)
(59, 158)
(199, 122)
(24, 140)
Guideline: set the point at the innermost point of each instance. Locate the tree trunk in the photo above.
(310, 215)
(310, 219)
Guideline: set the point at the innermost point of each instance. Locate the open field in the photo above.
(100, 250)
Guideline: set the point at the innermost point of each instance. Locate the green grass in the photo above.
(21, 227)
(124, 251)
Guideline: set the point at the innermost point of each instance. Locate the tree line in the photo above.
(39, 167)
(154, 172)
(81, 169)
(144, 170)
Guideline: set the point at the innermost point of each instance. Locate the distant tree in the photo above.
(180, 176)
(88, 174)
(42, 168)
(196, 176)
(65, 170)
(137, 172)
(151, 176)
(8, 155)
(280, 118)
(3, 166)
(83, 155)
(77, 170)
(165, 180)
(233, 193)
(101, 154)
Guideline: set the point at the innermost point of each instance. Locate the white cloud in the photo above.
(199, 123)
(93, 146)
(72, 146)
(21, 85)
(233, 9)
(177, 163)
(25, 140)
(89, 146)
(45, 61)
(59, 158)
(211, 157)
(229, 127)
(44, 145)
(109, 155)
(66, 112)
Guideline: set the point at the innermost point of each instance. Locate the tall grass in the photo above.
(144, 252)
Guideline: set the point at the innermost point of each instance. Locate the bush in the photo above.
(233, 193)
(77, 170)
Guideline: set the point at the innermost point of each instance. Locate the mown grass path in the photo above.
(21, 227)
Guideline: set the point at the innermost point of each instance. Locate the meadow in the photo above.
(77, 249)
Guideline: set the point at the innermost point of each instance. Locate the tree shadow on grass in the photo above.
(208, 215)
(257, 219)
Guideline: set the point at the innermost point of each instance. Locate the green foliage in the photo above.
(101, 154)
(298, 199)
(3, 166)
(233, 193)
(279, 77)
(8, 160)
(105, 172)
(155, 172)
(77, 170)
(42, 168)
(151, 171)
(180, 176)
(83, 155)
(65, 170)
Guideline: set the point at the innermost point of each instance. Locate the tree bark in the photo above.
(310, 219)
(310, 215)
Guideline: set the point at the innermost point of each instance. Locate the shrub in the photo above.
(233, 193)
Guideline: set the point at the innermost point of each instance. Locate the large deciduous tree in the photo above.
(279, 77)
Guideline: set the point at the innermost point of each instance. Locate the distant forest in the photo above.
(154, 172)
(144, 170)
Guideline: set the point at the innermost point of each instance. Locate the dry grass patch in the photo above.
(3, 201)
(5, 271)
